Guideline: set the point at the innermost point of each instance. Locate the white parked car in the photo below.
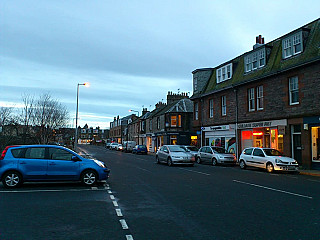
(113, 146)
(267, 158)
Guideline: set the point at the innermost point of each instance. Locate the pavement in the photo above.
(309, 172)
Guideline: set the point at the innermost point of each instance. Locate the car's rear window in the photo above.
(17, 153)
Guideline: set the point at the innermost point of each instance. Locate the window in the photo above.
(258, 153)
(224, 73)
(35, 153)
(173, 121)
(196, 109)
(293, 91)
(223, 105)
(59, 154)
(260, 98)
(158, 123)
(150, 124)
(251, 99)
(292, 45)
(248, 151)
(211, 108)
(179, 120)
(255, 60)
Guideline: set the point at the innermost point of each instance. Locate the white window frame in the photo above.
(257, 58)
(224, 105)
(293, 89)
(196, 111)
(251, 100)
(224, 73)
(289, 45)
(260, 97)
(211, 108)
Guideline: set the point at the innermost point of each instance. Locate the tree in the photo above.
(47, 115)
(26, 115)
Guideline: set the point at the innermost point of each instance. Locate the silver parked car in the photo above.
(191, 149)
(267, 158)
(174, 154)
(215, 155)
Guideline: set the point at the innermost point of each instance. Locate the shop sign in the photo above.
(311, 120)
(216, 128)
(262, 124)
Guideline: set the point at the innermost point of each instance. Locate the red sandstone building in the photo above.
(266, 97)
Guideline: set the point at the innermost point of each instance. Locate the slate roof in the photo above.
(274, 64)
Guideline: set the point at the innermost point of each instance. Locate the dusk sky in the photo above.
(131, 52)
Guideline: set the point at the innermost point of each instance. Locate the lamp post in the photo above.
(138, 125)
(76, 129)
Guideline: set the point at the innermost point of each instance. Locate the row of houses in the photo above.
(266, 97)
(168, 123)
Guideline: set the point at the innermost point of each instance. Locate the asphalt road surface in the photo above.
(145, 200)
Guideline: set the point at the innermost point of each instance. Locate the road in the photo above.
(144, 200)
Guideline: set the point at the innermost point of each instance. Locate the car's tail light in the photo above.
(5, 151)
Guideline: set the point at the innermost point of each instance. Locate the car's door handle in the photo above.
(23, 162)
(52, 163)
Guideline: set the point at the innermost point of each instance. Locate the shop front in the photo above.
(312, 124)
(221, 136)
(267, 134)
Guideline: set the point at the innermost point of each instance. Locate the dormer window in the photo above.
(224, 73)
(292, 45)
(255, 60)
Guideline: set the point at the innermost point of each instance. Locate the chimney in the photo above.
(160, 104)
(172, 97)
(259, 42)
(144, 111)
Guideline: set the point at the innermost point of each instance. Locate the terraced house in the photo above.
(266, 97)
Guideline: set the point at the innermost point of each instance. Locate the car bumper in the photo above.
(288, 168)
(182, 162)
(104, 174)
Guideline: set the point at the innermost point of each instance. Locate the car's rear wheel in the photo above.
(89, 178)
(169, 161)
(270, 167)
(214, 162)
(198, 160)
(12, 179)
(242, 164)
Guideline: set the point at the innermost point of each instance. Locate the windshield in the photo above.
(192, 148)
(220, 150)
(176, 149)
(272, 152)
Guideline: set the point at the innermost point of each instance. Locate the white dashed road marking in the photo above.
(129, 237)
(115, 203)
(119, 213)
(123, 224)
(112, 197)
(207, 174)
(273, 189)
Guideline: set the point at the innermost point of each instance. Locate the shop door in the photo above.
(297, 154)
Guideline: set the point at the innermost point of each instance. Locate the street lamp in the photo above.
(76, 129)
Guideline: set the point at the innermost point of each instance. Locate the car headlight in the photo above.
(99, 163)
(278, 160)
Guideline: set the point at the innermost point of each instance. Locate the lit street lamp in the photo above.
(76, 129)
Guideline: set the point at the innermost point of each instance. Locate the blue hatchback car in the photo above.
(30, 163)
(142, 149)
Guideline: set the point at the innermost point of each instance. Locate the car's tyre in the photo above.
(270, 167)
(12, 179)
(89, 178)
(214, 162)
(169, 162)
(198, 160)
(157, 158)
(242, 164)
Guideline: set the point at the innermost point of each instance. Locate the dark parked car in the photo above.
(142, 149)
(32, 163)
